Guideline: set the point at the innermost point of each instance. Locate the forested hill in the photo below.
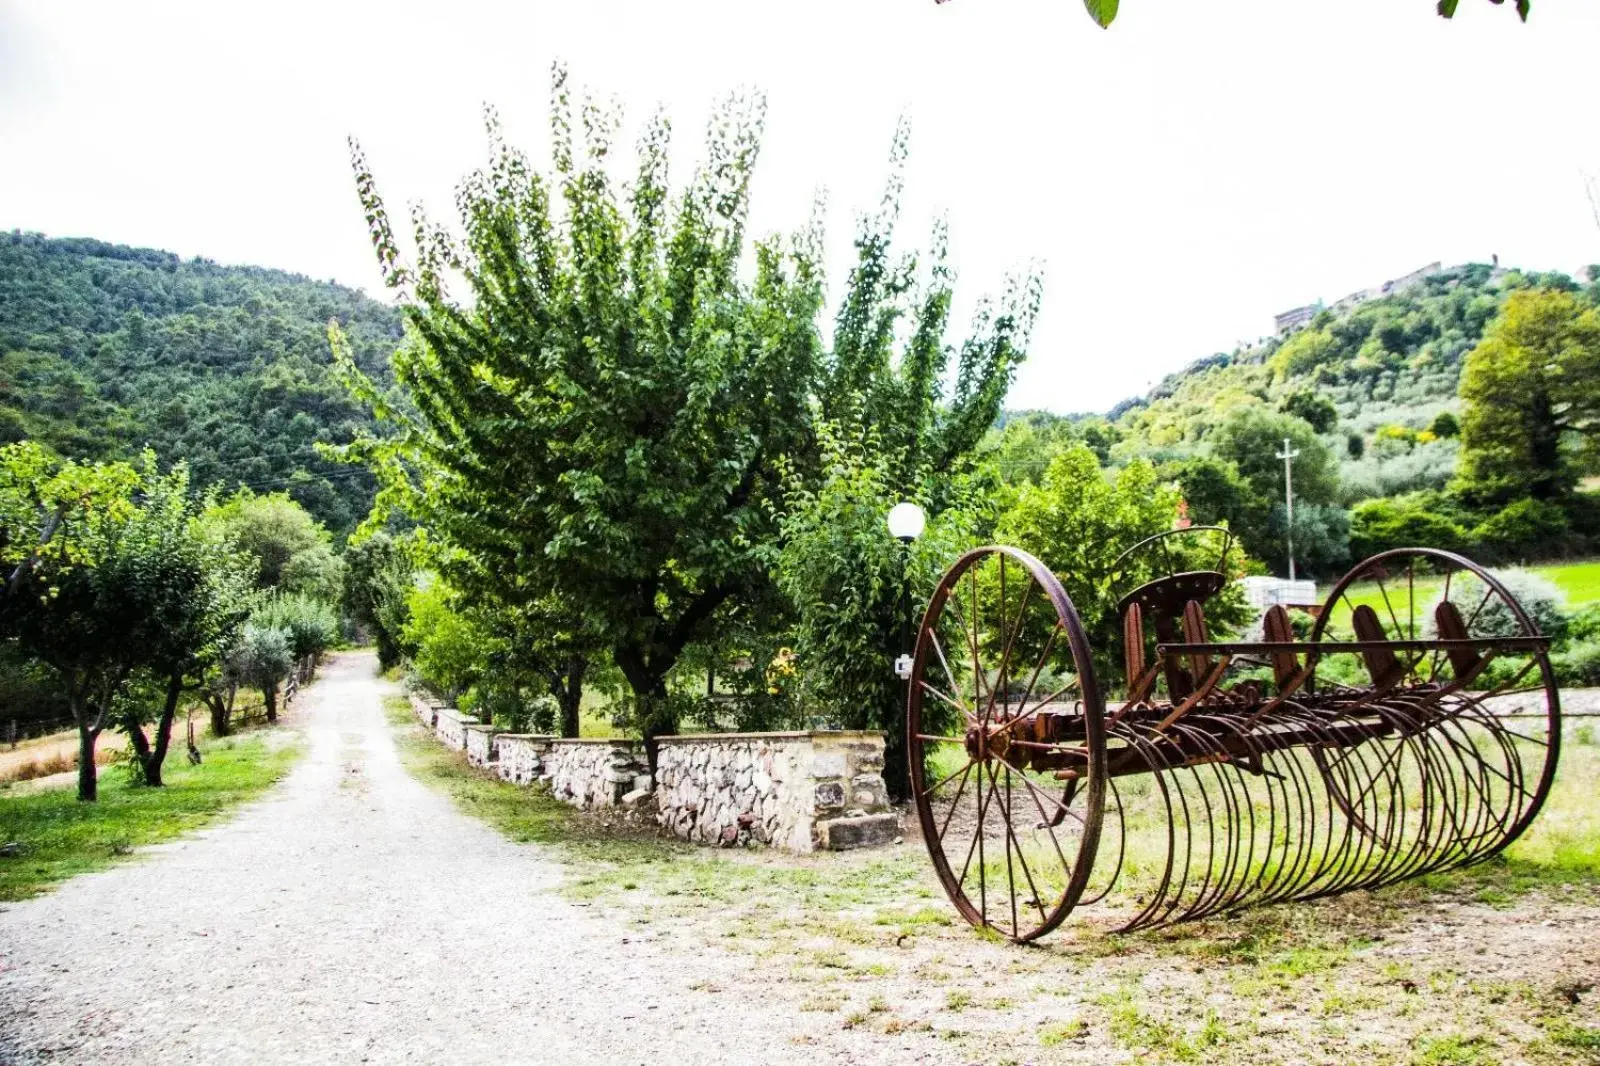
(1371, 378)
(105, 349)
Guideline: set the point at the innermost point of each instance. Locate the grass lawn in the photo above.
(1580, 581)
(1477, 967)
(61, 837)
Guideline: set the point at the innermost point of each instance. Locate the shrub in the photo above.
(1527, 529)
(312, 625)
(1578, 665)
(1379, 525)
(1540, 598)
(263, 658)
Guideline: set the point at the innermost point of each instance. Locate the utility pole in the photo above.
(1288, 456)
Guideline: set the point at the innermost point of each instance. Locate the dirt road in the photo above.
(354, 915)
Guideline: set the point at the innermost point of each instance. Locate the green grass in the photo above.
(1580, 581)
(61, 838)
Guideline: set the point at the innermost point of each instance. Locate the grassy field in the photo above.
(1490, 965)
(58, 837)
(1580, 581)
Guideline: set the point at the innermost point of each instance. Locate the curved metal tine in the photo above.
(1122, 849)
(1468, 703)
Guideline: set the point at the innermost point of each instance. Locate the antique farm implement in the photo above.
(1410, 725)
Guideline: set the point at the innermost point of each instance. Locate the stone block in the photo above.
(636, 797)
(643, 781)
(833, 765)
(866, 831)
(829, 794)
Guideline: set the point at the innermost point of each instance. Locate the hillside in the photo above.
(105, 349)
(1389, 367)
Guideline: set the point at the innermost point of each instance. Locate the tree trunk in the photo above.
(153, 762)
(269, 694)
(88, 783)
(138, 742)
(217, 704)
(570, 695)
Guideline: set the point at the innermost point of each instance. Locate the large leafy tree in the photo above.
(119, 588)
(596, 422)
(1531, 390)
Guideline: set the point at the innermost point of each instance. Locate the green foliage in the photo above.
(1527, 529)
(1251, 439)
(1532, 395)
(112, 573)
(1405, 522)
(1317, 411)
(1214, 493)
(848, 580)
(378, 582)
(600, 412)
(262, 659)
(312, 624)
(1078, 520)
(1321, 536)
(293, 551)
(1445, 425)
(1539, 598)
(105, 350)
(450, 650)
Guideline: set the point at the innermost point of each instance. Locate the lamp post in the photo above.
(906, 522)
(1288, 455)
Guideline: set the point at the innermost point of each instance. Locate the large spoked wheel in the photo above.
(1475, 736)
(1005, 732)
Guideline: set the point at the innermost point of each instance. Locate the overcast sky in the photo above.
(1182, 176)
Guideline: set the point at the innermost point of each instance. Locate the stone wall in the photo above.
(596, 773)
(480, 744)
(520, 757)
(450, 726)
(795, 791)
(424, 709)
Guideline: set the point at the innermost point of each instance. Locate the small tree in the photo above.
(378, 580)
(293, 551)
(262, 660)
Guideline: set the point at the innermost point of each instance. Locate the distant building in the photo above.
(1289, 321)
(1264, 592)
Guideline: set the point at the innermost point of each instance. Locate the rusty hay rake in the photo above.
(1415, 728)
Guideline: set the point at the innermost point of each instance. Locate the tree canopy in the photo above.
(106, 350)
(600, 418)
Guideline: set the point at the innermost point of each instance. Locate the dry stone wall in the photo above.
(450, 726)
(596, 773)
(795, 791)
(480, 745)
(520, 757)
(424, 708)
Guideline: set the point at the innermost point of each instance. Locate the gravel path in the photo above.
(354, 915)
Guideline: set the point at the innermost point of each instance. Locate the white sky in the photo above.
(1183, 175)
